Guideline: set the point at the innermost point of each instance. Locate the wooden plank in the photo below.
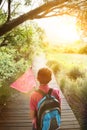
(15, 128)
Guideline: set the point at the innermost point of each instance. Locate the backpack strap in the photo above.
(43, 93)
(50, 91)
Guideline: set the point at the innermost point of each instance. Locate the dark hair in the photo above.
(44, 75)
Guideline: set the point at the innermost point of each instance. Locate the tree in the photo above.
(48, 8)
(16, 57)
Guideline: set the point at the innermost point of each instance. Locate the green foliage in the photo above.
(2, 17)
(28, 2)
(4, 93)
(15, 58)
(9, 67)
(16, 50)
(19, 36)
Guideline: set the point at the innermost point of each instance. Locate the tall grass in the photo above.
(72, 79)
(75, 92)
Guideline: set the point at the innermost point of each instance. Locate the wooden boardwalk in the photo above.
(15, 115)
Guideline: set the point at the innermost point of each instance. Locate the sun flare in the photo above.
(60, 30)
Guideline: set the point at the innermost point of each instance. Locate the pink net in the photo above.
(25, 83)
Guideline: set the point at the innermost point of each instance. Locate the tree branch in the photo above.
(28, 16)
(2, 3)
(42, 11)
(9, 10)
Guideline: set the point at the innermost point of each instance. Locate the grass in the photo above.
(69, 60)
(72, 79)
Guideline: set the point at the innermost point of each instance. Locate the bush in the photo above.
(83, 50)
(5, 92)
(10, 70)
(54, 65)
(62, 84)
(75, 73)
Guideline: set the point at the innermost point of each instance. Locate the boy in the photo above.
(44, 77)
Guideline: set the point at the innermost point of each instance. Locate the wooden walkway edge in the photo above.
(15, 115)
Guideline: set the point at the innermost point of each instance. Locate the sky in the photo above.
(60, 29)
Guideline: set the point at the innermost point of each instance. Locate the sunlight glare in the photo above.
(60, 30)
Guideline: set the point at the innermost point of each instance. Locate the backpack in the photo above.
(48, 114)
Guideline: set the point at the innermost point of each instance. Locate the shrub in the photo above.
(83, 50)
(62, 84)
(5, 92)
(75, 92)
(75, 73)
(54, 65)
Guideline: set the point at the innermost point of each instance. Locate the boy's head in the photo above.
(44, 75)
